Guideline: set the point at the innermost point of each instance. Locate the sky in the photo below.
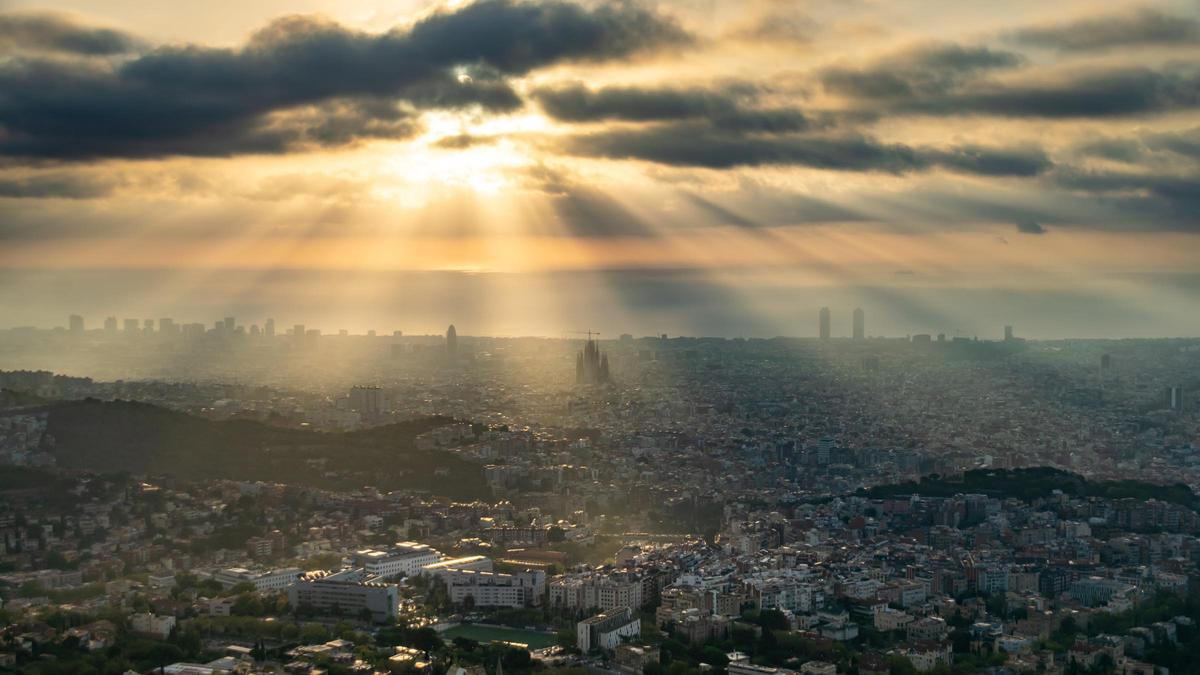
(529, 167)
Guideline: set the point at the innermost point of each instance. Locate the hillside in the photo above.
(1032, 483)
(146, 439)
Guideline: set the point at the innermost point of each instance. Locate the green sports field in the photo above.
(487, 634)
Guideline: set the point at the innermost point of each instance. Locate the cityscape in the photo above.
(599, 337)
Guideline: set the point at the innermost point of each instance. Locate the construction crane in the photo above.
(588, 333)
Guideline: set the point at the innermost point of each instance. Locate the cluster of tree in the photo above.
(761, 635)
(1034, 483)
(147, 439)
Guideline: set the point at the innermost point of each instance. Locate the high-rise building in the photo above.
(110, 325)
(166, 326)
(451, 343)
(825, 450)
(591, 366)
(148, 326)
(76, 323)
(860, 324)
(1008, 333)
(824, 323)
(229, 325)
(269, 328)
(131, 326)
(367, 401)
(298, 332)
(1175, 398)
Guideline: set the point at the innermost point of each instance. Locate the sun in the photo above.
(457, 152)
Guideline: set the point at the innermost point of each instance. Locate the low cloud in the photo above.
(1133, 28)
(701, 146)
(730, 107)
(57, 185)
(1030, 227)
(50, 32)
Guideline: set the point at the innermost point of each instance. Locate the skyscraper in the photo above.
(860, 324)
(269, 328)
(1175, 399)
(76, 324)
(110, 325)
(451, 343)
(1008, 333)
(825, 316)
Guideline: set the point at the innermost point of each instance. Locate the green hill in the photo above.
(146, 439)
(1033, 483)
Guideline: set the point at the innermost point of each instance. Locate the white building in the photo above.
(343, 593)
(271, 580)
(404, 559)
(151, 624)
(479, 563)
(604, 631)
(489, 589)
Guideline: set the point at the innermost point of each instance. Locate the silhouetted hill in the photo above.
(1032, 483)
(147, 439)
(10, 398)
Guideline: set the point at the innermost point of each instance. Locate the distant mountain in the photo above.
(147, 439)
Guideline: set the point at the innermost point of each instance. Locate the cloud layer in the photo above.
(298, 83)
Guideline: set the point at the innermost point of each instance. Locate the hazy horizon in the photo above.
(535, 166)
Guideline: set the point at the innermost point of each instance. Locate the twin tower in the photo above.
(860, 324)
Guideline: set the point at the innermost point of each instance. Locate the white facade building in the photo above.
(404, 559)
(604, 631)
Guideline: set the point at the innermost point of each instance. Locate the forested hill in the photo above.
(1033, 483)
(146, 439)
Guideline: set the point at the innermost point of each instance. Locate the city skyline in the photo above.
(228, 326)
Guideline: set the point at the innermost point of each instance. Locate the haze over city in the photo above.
(599, 337)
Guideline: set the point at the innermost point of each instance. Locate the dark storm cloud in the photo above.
(1141, 27)
(701, 146)
(728, 108)
(58, 33)
(924, 70)
(197, 100)
(54, 185)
